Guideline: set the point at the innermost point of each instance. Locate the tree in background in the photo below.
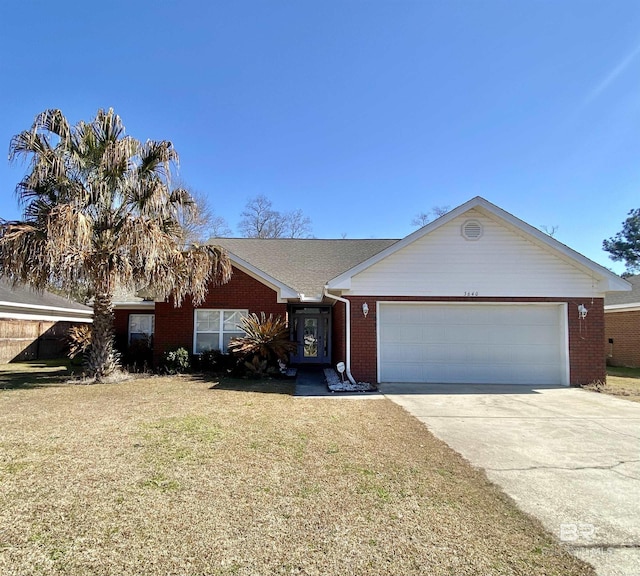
(260, 220)
(99, 212)
(424, 218)
(550, 230)
(199, 221)
(625, 245)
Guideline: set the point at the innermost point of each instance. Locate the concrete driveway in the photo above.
(567, 456)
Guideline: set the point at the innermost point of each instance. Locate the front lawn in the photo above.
(36, 373)
(166, 476)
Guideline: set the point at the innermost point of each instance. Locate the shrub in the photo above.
(78, 340)
(266, 338)
(176, 361)
(214, 361)
(139, 355)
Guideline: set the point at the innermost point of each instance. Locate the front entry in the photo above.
(311, 329)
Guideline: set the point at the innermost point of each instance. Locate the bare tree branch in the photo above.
(200, 222)
(551, 230)
(423, 218)
(297, 225)
(260, 220)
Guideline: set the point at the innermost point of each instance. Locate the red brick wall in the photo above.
(624, 328)
(174, 326)
(586, 362)
(121, 327)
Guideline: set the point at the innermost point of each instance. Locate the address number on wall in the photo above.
(471, 293)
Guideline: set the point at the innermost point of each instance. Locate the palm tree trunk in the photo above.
(102, 360)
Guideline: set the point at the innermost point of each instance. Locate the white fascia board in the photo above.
(44, 317)
(144, 305)
(39, 307)
(630, 307)
(313, 299)
(285, 293)
(606, 280)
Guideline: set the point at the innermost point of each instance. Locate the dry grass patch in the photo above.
(622, 382)
(165, 476)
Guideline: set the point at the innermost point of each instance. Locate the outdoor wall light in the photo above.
(365, 309)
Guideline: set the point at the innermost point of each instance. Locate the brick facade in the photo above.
(586, 362)
(624, 329)
(174, 326)
(121, 326)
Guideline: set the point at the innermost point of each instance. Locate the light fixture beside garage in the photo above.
(472, 230)
(365, 309)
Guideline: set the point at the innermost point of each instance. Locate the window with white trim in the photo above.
(141, 327)
(214, 329)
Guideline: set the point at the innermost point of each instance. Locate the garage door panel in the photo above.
(489, 343)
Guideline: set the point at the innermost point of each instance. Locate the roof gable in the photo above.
(598, 278)
(298, 268)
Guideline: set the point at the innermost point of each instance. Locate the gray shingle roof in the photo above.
(24, 295)
(305, 265)
(632, 297)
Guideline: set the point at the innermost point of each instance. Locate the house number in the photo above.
(471, 293)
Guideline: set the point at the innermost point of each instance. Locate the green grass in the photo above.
(184, 475)
(623, 372)
(36, 374)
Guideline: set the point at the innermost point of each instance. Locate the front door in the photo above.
(311, 331)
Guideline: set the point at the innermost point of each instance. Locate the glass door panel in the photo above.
(310, 345)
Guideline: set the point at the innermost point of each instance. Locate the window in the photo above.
(214, 329)
(141, 327)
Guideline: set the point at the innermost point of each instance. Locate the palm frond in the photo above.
(78, 339)
(155, 158)
(265, 337)
(99, 210)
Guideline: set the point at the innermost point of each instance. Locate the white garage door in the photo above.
(472, 343)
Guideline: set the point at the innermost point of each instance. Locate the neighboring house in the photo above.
(622, 326)
(476, 296)
(33, 324)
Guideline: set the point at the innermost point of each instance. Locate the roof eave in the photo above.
(629, 307)
(142, 305)
(285, 293)
(40, 307)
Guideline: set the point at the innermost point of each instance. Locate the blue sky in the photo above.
(361, 113)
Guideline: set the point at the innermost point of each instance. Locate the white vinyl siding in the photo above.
(499, 263)
(141, 327)
(473, 343)
(214, 329)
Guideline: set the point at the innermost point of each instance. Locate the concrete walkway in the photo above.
(311, 383)
(567, 456)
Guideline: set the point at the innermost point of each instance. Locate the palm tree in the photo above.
(99, 211)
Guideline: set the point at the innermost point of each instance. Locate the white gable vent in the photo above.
(472, 230)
